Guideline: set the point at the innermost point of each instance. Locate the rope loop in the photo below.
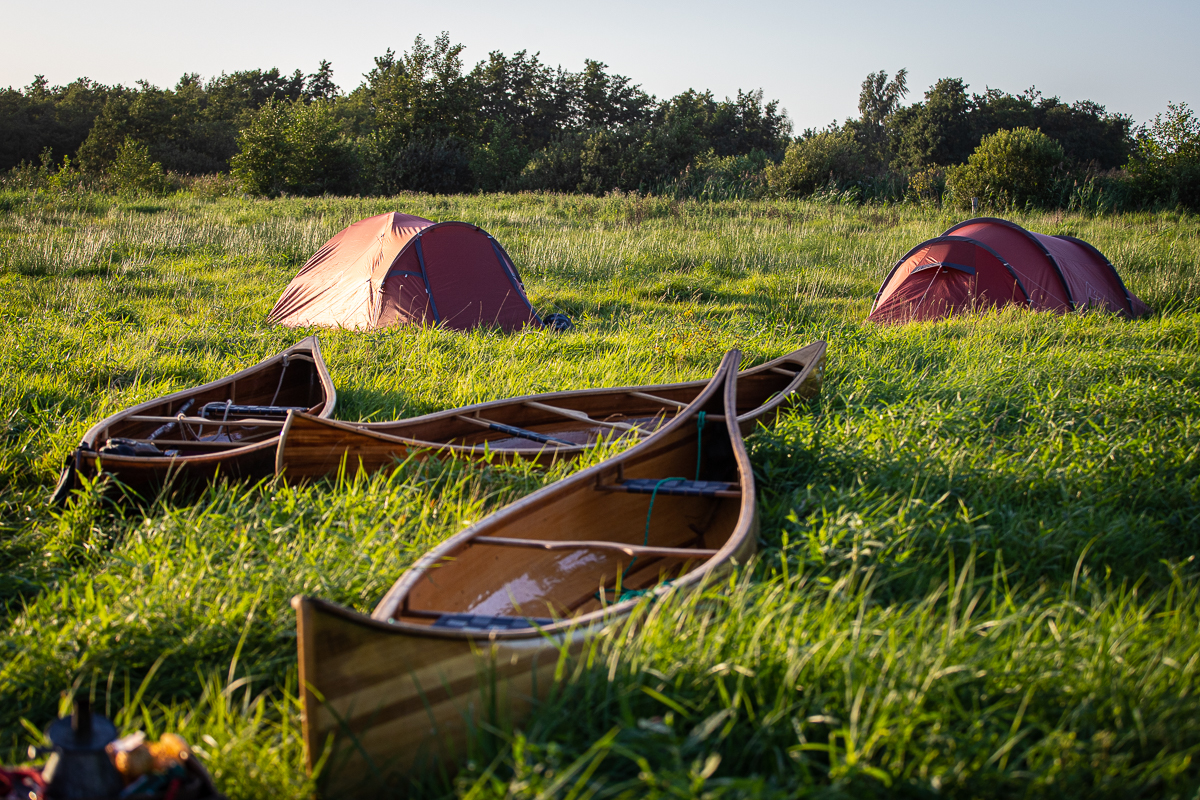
(627, 594)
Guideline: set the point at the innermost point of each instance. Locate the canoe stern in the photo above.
(412, 701)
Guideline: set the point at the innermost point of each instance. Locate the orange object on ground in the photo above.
(395, 269)
(984, 263)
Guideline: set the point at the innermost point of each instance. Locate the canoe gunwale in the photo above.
(662, 441)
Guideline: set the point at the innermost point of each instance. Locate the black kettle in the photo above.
(79, 768)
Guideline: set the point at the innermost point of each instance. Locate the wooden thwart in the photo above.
(512, 430)
(673, 487)
(587, 544)
(240, 423)
(655, 399)
(582, 417)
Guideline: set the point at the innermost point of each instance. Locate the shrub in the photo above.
(927, 186)
(712, 177)
(295, 147)
(616, 159)
(133, 172)
(832, 156)
(496, 164)
(1009, 169)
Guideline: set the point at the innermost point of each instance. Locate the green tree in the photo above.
(41, 116)
(878, 100)
(937, 131)
(422, 94)
(499, 159)
(1009, 169)
(1165, 165)
(295, 147)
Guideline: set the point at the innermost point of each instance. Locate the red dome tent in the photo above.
(396, 269)
(983, 263)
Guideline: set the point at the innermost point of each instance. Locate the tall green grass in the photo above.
(977, 570)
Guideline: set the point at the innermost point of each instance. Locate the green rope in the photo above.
(628, 593)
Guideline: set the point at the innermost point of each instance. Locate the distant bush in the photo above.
(1009, 169)
(134, 173)
(497, 162)
(927, 186)
(297, 148)
(832, 156)
(711, 177)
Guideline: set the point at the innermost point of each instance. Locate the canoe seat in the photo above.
(218, 410)
(674, 486)
(477, 622)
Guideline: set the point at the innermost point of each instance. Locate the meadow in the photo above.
(977, 570)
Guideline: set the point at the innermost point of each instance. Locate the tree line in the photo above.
(421, 120)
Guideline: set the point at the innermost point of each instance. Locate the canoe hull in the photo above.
(194, 451)
(310, 448)
(184, 474)
(416, 700)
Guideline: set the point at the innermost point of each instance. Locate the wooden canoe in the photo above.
(230, 426)
(474, 630)
(539, 428)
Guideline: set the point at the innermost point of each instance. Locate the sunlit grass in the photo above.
(976, 573)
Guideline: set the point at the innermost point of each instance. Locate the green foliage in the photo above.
(558, 167)
(1090, 136)
(831, 157)
(1166, 164)
(936, 132)
(133, 173)
(423, 94)
(423, 121)
(927, 186)
(879, 99)
(297, 148)
(1009, 169)
(40, 117)
(712, 177)
(427, 165)
(496, 163)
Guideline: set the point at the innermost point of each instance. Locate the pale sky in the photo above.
(1132, 57)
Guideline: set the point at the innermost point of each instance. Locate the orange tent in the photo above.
(396, 269)
(988, 262)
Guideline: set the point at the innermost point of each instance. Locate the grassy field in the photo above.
(977, 573)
